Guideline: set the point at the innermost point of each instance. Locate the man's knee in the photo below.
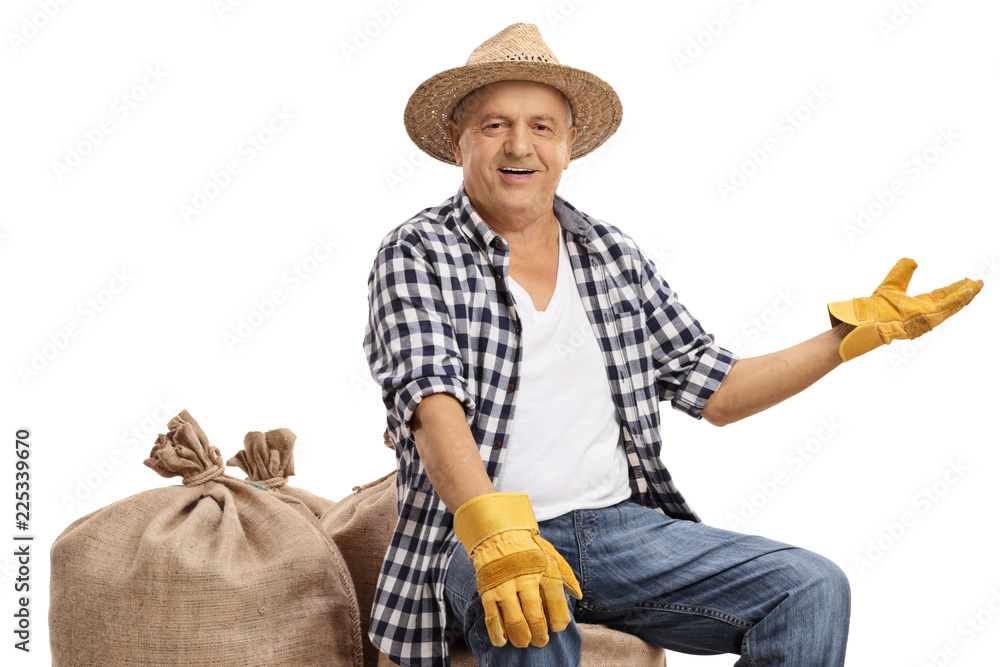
(821, 577)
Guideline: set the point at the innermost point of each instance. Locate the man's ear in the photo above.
(570, 138)
(455, 134)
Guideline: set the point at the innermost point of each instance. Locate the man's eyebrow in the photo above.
(492, 114)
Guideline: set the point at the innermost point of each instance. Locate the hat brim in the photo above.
(597, 111)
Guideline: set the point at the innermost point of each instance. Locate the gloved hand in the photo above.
(519, 574)
(889, 314)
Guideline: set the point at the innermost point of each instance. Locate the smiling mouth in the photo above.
(516, 170)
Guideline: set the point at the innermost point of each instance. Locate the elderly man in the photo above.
(523, 348)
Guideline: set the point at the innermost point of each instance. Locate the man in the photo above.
(530, 490)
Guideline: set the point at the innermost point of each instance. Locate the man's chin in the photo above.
(505, 199)
(519, 200)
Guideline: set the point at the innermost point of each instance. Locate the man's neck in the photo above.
(525, 232)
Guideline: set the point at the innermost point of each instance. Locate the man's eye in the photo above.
(542, 127)
(494, 126)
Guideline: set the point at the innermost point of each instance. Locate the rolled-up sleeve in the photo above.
(688, 365)
(409, 339)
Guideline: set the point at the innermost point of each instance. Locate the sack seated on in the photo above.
(361, 524)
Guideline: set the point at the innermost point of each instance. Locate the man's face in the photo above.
(510, 126)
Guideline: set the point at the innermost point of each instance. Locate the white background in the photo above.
(756, 267)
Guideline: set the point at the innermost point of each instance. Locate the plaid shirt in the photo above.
(441, 319)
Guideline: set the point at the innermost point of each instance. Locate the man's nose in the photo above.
(518, 141)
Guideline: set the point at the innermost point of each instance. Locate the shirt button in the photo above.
(510, 387)
(450, 550)
(499, 244)
(496, 444)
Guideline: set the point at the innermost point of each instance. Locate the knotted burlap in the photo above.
(268, 460)
(210, 572)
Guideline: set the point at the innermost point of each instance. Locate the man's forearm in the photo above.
(757, 383)
(448, 451)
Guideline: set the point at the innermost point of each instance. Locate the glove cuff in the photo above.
(843, 311)
(862, 339)
(490, 514)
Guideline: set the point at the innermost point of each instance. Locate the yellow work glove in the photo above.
(889, 314)
(519, 574)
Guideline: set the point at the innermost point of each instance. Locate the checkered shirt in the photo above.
(442, 319)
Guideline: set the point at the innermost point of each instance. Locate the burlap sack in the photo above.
(361, 524)
(212, 572)
(268, 460)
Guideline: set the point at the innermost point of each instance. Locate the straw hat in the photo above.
(515, 53)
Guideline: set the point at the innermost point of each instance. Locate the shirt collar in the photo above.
(568, 216)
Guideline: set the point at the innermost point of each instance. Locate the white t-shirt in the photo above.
(565, 448)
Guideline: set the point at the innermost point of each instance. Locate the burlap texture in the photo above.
(268, 459)
(361, 524)
(212, 572)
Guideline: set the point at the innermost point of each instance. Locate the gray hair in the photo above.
(459, 111)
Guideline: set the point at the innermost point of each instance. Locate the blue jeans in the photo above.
(679, 585)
